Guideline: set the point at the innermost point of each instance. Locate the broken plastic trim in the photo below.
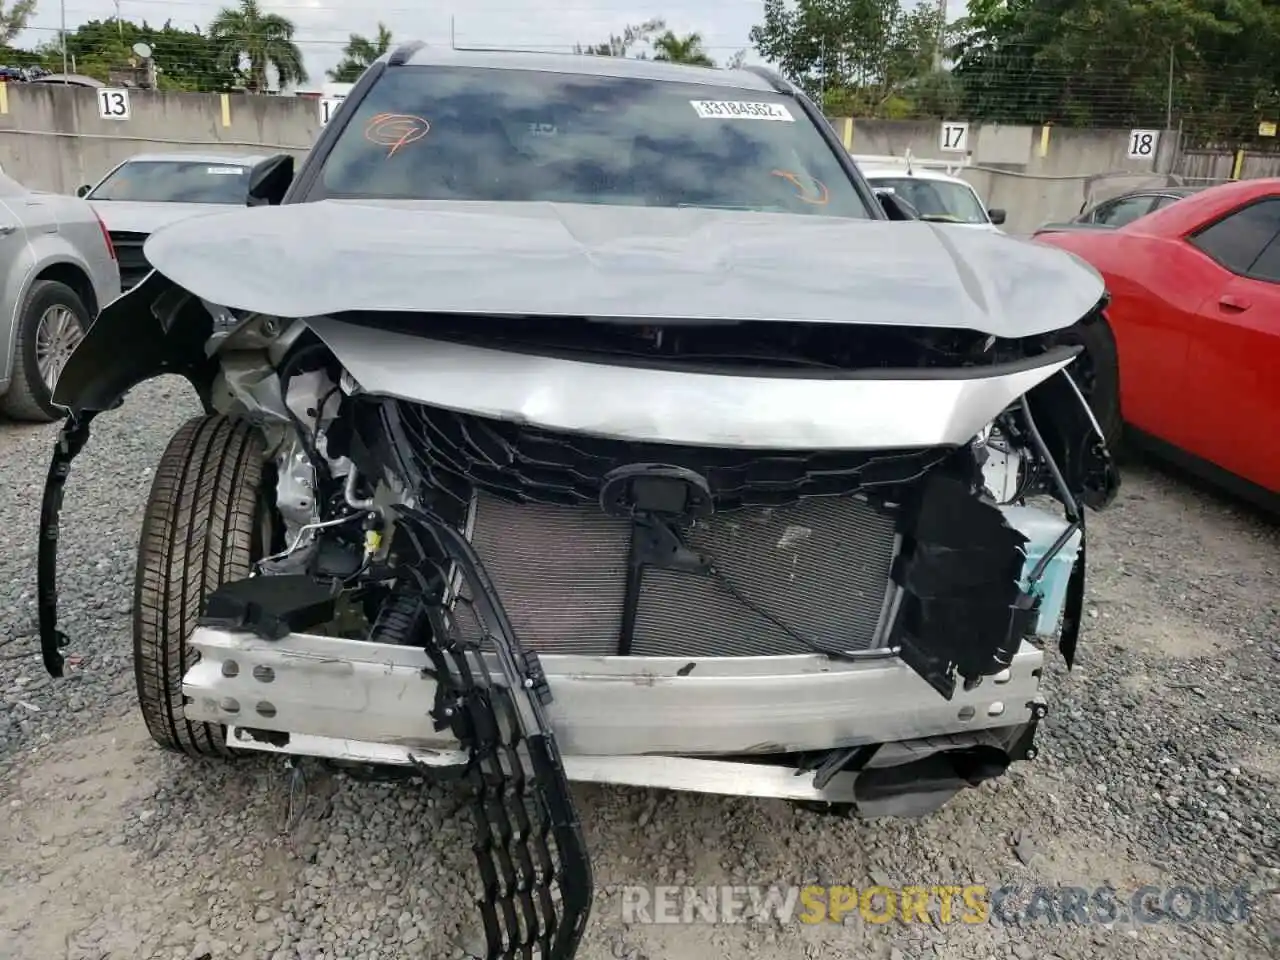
(492, 722)
(963, 613)
(72, 437)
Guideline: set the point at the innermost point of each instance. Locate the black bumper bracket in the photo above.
(536, 883)
(71, 440)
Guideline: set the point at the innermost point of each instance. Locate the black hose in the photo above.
(1074, 513)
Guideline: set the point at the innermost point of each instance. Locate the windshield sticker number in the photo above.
(395, 130)
(741, 110)
(224, 171)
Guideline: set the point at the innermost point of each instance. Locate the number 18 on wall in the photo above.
(1143, 144)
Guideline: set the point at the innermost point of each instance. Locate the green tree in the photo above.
(13, 20)
(185, 59)
(621, 46)
(359, 52)
(1120, 63)
(857, 55)
(254, 42)
(686, 49)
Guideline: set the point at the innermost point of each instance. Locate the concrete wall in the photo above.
(1036, 174)
(52, 138)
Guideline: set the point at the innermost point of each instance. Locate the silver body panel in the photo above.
(670, 406)
(603, 706)
(667, 773)
(39, 232)
(689, 774)
(615, 262)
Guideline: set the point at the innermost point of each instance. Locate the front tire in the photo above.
(203, 527)
(1097, 373)
(51, 324)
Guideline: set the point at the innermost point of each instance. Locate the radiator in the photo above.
(813, 572)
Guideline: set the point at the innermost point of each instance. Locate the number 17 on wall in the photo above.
(954, 137)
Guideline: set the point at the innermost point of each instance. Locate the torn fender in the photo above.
(1074, 439)
(156, 328)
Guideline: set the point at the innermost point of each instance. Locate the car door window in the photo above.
(1119, 212)
(1267, 266)
(1239, 240)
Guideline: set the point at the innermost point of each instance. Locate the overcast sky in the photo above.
(323, 25)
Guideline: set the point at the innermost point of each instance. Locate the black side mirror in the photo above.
(895, 207)
(270, 181)
(83, 190)
(997, 216)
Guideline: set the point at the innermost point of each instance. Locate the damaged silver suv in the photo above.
(589, 419)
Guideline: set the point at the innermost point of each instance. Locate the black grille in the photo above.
(802, 555)
(456, 453)
(133, 264)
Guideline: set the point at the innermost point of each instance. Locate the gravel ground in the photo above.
(1159, 765)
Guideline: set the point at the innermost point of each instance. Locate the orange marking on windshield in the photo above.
(395, 130)
(808, 189)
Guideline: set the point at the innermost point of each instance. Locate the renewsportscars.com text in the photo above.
(935, 904)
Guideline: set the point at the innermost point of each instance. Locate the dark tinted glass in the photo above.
(449, 133)
(176, 182)
(1120, 212)
(1267, 266)
(1237, 240)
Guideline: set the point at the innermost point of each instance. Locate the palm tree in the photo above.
(686, 49)
(252, 40)
(359, 53)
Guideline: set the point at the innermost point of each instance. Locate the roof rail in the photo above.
(508, 50)
(776, 80)
(404, 53)
(951, 167)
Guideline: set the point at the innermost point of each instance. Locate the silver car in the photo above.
(59, 270)
(149, 190)
(633, 439)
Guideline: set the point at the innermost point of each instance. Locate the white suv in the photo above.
(932, 188)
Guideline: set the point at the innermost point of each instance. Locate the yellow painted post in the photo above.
(4, 97)
(1237, 164)
(226, 110)
(848, 133)
(1044, 140)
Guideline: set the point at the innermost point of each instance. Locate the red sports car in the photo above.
(1188, 357)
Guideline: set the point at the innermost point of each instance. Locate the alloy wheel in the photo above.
(57, 335)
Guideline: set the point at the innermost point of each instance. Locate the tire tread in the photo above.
(197, 533)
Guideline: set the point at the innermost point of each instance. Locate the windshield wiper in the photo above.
(744, 207)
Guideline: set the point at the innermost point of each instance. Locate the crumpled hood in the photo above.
(138, 216)
(606, 261)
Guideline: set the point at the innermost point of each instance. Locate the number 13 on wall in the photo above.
(113, 104)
